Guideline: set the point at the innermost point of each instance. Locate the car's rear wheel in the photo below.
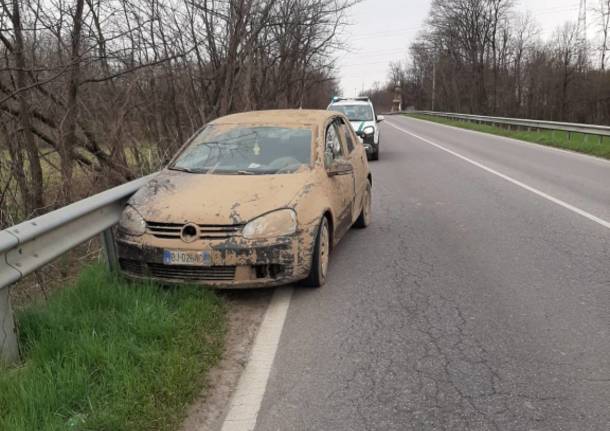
(364, 219)
(320, 258)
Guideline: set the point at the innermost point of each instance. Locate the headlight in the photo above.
(132, 222)
(270, 225)
(369, 130)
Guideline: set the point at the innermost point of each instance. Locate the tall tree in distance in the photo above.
(484, 57)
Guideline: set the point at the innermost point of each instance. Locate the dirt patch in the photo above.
(246, 311)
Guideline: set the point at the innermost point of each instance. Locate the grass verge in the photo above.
(579, 142)
(111, 355)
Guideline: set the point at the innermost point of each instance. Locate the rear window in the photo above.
(355, 112)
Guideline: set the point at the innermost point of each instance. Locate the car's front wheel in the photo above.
(320, 258)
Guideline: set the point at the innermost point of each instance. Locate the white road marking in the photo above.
(540, 193)
(246, 401)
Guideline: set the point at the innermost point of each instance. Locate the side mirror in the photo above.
(340, 167)
(380, 118)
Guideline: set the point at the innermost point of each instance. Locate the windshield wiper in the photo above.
(182, 169)
(246, 172)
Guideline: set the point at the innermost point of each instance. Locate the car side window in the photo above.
(333, 149)
(347, 135)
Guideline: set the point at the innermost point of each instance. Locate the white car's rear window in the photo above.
(354, 112)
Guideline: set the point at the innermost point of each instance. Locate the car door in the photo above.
(356, 154)
(341, 185)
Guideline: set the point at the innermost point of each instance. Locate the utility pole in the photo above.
(582, 32)
(433, 85)
(604, 10)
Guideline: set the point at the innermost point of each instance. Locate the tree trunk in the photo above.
(33, 198)
(70, 140)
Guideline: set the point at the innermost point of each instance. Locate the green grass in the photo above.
(111, 355)
(587, 144)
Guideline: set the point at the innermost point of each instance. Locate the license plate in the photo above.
(193, 258)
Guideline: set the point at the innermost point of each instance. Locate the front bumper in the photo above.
(235, 262)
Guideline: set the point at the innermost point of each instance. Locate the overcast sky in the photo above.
(382, 30)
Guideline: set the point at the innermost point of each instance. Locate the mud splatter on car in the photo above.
(251, 200)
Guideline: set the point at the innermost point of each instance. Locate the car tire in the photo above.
(375, 154)
(364, 219)
(320, 258)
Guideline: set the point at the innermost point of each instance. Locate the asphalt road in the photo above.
(470, 303)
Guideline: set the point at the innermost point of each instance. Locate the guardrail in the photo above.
(588, 129)
(32, 244)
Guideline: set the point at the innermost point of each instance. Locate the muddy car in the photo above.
(251, 200)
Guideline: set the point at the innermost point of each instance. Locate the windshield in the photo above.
(240, 149)
(355, 112)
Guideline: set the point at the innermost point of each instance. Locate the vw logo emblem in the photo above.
(189, 232)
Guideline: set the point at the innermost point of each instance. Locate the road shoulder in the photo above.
(246, 310)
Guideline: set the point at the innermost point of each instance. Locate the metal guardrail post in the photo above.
(9, 349)
(110, 249)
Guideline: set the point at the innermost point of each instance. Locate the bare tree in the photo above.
(480, 56)
(32, 193)
(95, 92)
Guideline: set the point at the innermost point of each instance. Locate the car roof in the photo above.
(292, 117)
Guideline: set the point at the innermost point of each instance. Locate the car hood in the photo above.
(358, 126)
(180, 197)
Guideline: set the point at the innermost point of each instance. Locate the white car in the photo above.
(361, 114)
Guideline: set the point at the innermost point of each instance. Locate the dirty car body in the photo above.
(242, 202)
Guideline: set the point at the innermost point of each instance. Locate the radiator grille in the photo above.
(206, 231)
